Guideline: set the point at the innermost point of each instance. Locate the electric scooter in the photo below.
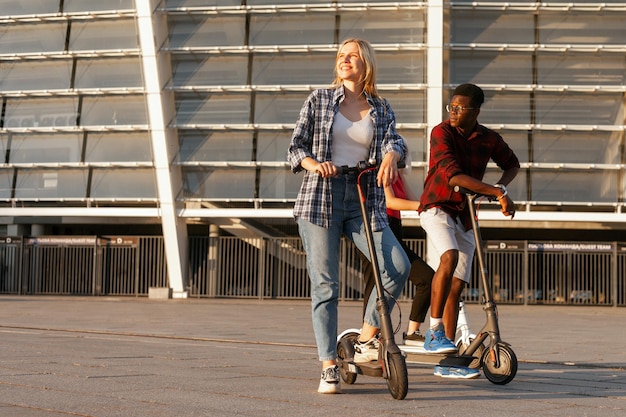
(391, 364)
(497, 360)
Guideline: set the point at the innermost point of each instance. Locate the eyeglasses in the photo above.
(457, 109)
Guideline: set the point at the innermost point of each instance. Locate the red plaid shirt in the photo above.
(452, 154)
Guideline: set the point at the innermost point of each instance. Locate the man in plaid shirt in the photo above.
(460, 149)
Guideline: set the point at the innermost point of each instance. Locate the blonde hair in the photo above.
(368, 56)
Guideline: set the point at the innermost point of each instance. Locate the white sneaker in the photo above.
(366, 351)
(329, 382)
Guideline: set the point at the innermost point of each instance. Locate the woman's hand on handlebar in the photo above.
(325, 169)
(388, 170)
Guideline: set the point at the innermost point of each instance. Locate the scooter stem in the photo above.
(386, 328)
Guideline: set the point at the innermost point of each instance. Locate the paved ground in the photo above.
(80, 356)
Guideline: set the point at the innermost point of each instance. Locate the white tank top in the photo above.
(351, 140)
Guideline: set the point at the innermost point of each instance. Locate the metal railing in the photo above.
(521, 272)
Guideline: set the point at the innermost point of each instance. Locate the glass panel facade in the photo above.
(407, 66)
(51, 184)
(215, 146)
(416, 140)
(6, 183)
(595, 28)
(553, 78)
(490, 67)
(21, 7)
(395, 26)
(26, 75)
(256, 68)
(491, 26)
(217, 184)
(47, 62)
(201, 3)
(96, 5)
(579, 108)
(213, 108)
(40, 112)
(32, 38)
(118, 147)
(209, 70)
(108, 73)
(277, 183)
(88, 36)
(276, 107)
(292, 29)
(577, 147)
(572, 68)
(272, 146)
(203, 31)
(574, 186)
(114, 110)
(295, 68)
(138, 184)
(45, 148)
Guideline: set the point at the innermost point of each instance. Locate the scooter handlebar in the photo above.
(362, 166)
(462, 190)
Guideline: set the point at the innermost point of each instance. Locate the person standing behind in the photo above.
(460, 149)
(344, 125)
(399, 197)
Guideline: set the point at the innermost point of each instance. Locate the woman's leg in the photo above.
(393, 263)
(322, 256)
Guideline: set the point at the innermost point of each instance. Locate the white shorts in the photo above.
(444, 233)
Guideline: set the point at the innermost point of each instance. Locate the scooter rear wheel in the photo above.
(349, 338)
(397, 376)
(499, 364)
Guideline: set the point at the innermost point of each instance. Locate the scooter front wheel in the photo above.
(397, 376)
(499, 364)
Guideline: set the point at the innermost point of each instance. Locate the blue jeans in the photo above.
(322, 250)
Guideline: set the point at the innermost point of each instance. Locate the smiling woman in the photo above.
(344, 125)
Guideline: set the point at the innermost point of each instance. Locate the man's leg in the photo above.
(462, 274)
(443, 257)
(451, 310)
(442, 281)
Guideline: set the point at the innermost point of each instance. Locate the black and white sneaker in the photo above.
(329, 382)
(366, 351)
(414, 339)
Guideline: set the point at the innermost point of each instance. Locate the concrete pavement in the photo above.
(107, 356)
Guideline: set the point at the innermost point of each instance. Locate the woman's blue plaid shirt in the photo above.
(312, 137)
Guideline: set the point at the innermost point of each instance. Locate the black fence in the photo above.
(521, 272)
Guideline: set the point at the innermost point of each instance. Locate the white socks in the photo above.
(434, 323)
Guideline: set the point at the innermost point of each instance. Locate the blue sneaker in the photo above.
(456, 372)
(437, 342)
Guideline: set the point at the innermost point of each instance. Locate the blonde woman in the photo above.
(343, 125)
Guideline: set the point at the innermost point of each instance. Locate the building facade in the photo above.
(173, 117)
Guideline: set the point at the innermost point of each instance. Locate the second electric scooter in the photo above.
(497, 359)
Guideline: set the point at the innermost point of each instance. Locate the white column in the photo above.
(434, 62)
(156, 72)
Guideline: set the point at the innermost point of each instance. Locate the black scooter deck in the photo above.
(417, 354)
